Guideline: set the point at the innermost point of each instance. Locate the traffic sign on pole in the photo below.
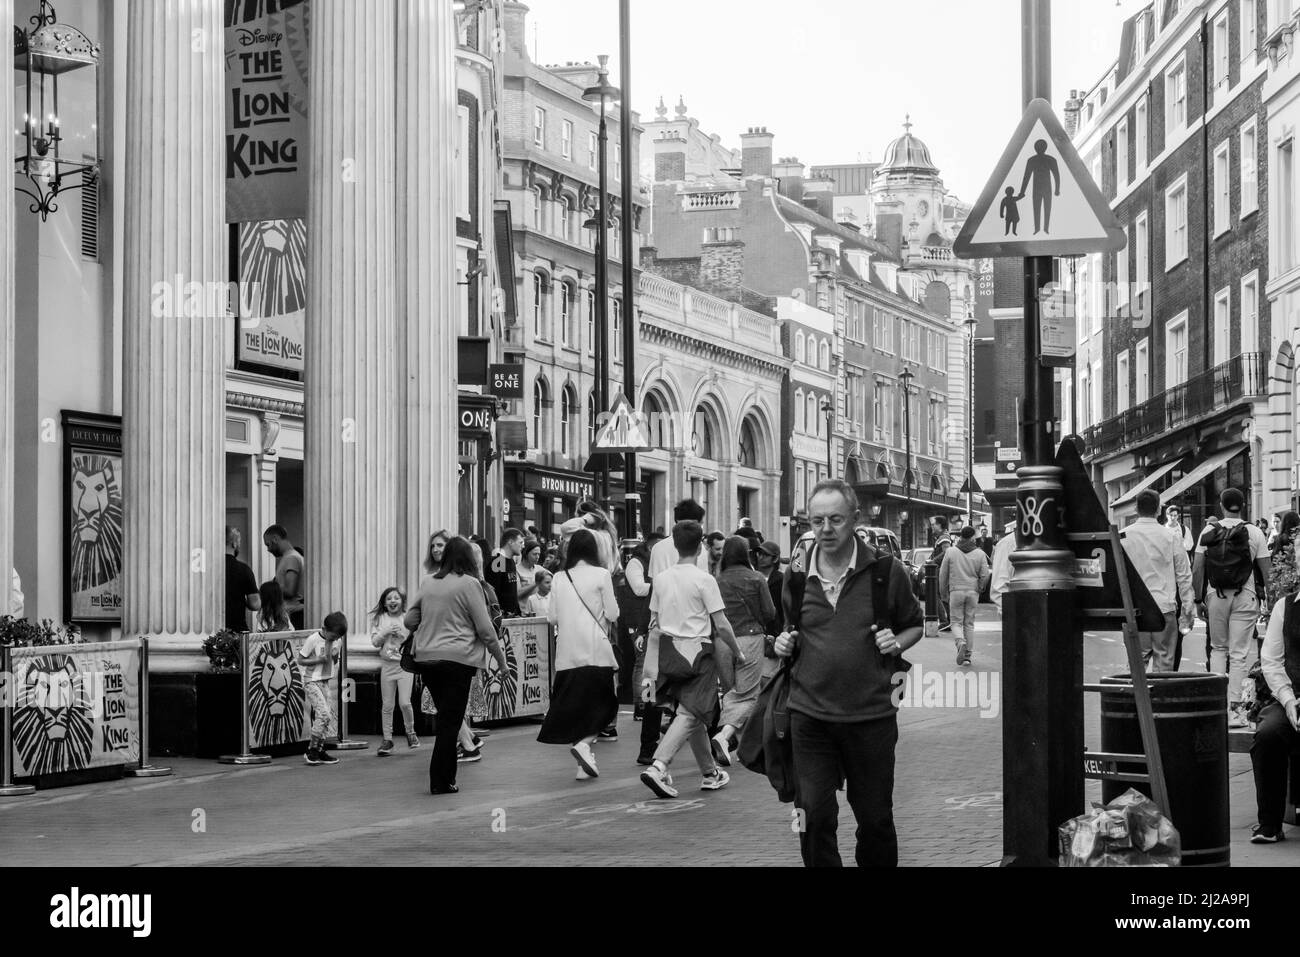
(624, 432)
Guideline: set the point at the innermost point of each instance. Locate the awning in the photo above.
(1146, 483)
(1198, 474)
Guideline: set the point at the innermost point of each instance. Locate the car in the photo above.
(881, 539)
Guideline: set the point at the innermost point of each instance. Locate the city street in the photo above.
(520, 805)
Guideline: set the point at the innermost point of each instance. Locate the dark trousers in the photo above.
(1270, 756)
(448, 683)
(651, 719)
(827, 753)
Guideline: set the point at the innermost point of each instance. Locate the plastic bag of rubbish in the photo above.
(1128, 832)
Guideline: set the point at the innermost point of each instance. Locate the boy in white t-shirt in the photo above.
(685, 609)
(317, 657)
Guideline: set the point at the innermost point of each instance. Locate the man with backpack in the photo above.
(851, 615)
(1223, 579)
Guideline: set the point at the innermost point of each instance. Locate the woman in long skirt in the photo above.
(583, 608)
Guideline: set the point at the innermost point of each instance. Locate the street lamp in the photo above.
(970, 414)
(606, 96)
(907, 378)
(828, 410)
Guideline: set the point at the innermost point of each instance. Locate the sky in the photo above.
(833, 79)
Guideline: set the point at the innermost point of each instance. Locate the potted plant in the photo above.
(222, 650)
(21, 633)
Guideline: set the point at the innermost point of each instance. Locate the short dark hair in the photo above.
(688, 510)
(276, 531)
(941, 521)
(1232, 500)
(337, 623)
(968, 532)
(1148, 503)
(687, 537)
(509, 535)
(715, 537)
(582, 548)
(458, 559)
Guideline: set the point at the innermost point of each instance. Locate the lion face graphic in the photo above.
(96, 522)
(54, 722)
(500, 688)
(275, 695)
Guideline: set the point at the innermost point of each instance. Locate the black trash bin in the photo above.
(1192, 728)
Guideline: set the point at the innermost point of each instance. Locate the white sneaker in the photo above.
(721, 749)
(660, 782)
(716, 781)
(586, 760)
(582, 775)
(1237, 717)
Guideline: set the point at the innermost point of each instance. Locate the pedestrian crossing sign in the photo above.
(624, 432)
(1041, 200)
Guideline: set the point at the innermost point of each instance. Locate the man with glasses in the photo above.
(843, 716)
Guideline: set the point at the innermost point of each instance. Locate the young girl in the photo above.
(387, 632)
(272, 616)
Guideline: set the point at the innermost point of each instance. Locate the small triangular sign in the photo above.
(971, 486)
(1041, 200)
(623, 432)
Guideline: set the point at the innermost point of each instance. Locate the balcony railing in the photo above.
(706, 201)
(1241, 377)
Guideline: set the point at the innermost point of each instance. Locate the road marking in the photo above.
(93, 791)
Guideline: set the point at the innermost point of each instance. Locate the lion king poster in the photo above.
(92, 470)
(277, 696)
(75, 707)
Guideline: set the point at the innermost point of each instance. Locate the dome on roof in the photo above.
(907, 153)
(934, 239)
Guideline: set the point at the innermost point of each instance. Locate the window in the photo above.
(462, 162)
(1096, 291)
(1141, 255)
(1140, 137)
(1175, 100)
(566, 218)
(593, 150)
(1249, 159)
(1142, 365)
(1083, 283)
(1121, 154)
(800, 412)
(1222, 327)
(1176, 223)
(800, 488)
(535, 208)
(1221, 77)
(1249, 29)
(824, 362)
(618, 161)
(1176, 351)
(591, 323)
(1096, 380)
(1121, 382)
(566, 139)
(1121, 276)
(541, 306)
(616, 315)
(882, 413)
(1279, 11)
(1222, 187)
(540, 401)
(568, 412)
(1286, 205)
(1085, 397)
(814, 417)
(568, 328)
(591, 420)
(799, 351)
(539, 128)
(1250, 314)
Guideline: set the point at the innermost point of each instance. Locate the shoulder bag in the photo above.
(601, 623)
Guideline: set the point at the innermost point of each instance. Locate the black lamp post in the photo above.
(907, 378)
(605, 95)
(970, 419)
(828, 410)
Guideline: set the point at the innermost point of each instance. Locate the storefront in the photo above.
(545, 497)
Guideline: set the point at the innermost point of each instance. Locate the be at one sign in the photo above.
(507, 381)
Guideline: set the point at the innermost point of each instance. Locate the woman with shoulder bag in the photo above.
(750, 610)
(583, 610)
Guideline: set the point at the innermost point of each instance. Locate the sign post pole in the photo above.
(145, 769)
(7, 701)
(345, 744)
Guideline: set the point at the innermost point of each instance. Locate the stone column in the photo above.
(427, 308)
(173, 396)
(350, 472)
(7, 346)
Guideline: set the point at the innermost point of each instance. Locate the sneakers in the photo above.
(1258, 835)
(720, 744)
(386, 748)
(412, 742)
(586, 760)
(324, 757)
(609, 734)
(312, 756)
(1237, 716)
(582, 775)
(963, 653)
(716, 781)
(464, 756)
(449, 789)
(659, 780)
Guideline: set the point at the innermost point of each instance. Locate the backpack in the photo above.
(1227, 557)
(940, 547)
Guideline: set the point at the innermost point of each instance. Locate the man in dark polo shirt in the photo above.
(843, 716)
(502, 573)
(241, 585)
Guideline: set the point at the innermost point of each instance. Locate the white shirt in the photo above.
(582, 641)
(684, 600)
(1157, 554)
(1002, 568)
(1258, 547)
(1272, 656)
(830, 588)
(537, 606)
(1184, 534)
(664, 556)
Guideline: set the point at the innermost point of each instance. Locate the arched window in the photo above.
(566, 219)
(814, 417)
(568, 412)
(616, 331)
(541, 305)
(748, 452)
(705, 442)
(800, 412)
(660, 434)
(536, 211)
(798, 347)
(541, 399)
(826, 355)
(591, 322)
(568, 325)
(591, 419)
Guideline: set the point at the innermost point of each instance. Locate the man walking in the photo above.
(1174, 522)
(962, 576)
(241, 585)
(288, 572)
(664, 555)
(767, 561)
(1223, 579)
(1156, 552)
(843, 719)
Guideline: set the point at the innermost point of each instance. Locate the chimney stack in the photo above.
(670, 158)
(1073, 107)
(756, 153)
(819, 196)
(789, 178)
(515, 17)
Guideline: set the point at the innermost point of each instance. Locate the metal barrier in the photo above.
(245, 756)
(145, 769)
(341, 680)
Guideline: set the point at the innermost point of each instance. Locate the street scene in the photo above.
(473, 419)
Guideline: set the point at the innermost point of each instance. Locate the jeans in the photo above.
(825, 753)
(448, 684)
(1158, 646)
(1232, 634)
(395, 688)
(1270, 756)
(738, 703)
(322, 715)
(963, 604)
(686, 728)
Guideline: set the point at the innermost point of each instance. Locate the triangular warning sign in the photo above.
(1041, 201)
(971, 486)
(624, 432)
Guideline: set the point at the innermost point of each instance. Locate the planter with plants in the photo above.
(20, 633)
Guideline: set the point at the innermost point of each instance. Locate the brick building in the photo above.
(1171, 388)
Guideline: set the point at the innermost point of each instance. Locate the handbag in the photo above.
(604, 625)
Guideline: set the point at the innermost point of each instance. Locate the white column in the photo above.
(7, 343)
(173, 401)
(350, 472)
(427, 307)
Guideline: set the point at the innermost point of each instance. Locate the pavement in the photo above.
(521, 804)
